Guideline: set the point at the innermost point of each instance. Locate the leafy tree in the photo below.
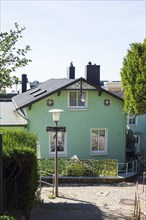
(133, 75)
(11, 57)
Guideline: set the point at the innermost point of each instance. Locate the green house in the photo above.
(93, 117)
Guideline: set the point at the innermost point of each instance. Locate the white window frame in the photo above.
(137, 139)
(77, 106)
(60, 153)
(99, 152)
(132, 120)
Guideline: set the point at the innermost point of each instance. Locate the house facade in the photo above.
(137, 126)
(93, 117)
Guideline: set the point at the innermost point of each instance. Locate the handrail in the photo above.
(42, 181)
(131, 166)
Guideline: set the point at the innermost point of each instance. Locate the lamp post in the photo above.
(56, 117)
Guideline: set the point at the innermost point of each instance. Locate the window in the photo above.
(76, 100)
(99, 141)
(61, 143)
(132, 120)
(137, 139)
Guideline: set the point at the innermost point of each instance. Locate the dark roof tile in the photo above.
(49, 87)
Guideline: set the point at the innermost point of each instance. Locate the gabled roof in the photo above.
(9, 116)
(48, 88)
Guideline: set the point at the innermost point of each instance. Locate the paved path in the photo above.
(88, 202)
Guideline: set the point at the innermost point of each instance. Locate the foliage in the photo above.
(46, 166)
(5, 217)
(20, 169)
(17, 138)
(105, 167)
(11, 57)
(133, 75)
(68, 167)
(78, 168)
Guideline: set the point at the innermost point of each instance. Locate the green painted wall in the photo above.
(79, 124)
(141, 127)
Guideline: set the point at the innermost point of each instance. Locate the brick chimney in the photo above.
(93, 73)
(24, 82)
(71, 71)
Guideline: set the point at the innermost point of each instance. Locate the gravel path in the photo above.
(89, 202)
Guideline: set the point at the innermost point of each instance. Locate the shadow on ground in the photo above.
(66, 211)
(76, 210)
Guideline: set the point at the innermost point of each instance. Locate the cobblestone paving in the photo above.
(110, 201)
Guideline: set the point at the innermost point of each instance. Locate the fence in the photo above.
(137, 204)
(41, 182)
(131, 166)
(140, 200)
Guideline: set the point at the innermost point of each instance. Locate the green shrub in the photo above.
(20, 170)
(4, 217)
(67, 167)
(46, 166)
(13, 138)
(78, 169)
(104, 167)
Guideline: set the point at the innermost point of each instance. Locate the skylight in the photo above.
(40, 93)
(34, 91)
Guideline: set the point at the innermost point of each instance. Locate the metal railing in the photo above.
(127, 167)
(41, 182)
(139, 150)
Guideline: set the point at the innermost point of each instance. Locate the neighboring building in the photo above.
(114, 87)
(137, 126)
(95, 126)
(9, 116)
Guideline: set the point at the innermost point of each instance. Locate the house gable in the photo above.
(52, 86)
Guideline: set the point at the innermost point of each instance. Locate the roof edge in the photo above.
(99, 88)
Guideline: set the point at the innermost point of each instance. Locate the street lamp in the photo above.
(56, 117)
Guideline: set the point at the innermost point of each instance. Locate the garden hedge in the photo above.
(5, 217)
(90, 167)
(20, 170)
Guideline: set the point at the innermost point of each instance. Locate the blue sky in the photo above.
(80, 31)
